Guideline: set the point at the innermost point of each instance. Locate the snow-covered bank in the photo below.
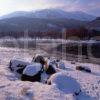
(11, 88)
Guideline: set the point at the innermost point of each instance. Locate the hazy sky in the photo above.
(89, 6)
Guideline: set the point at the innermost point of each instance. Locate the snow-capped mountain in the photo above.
(15, 14)
(52, 13)
(58, 13)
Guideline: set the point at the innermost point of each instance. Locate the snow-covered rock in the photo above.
(32, 73)
(61, 65)
(17, 66)
(52, 60)
(83, 68)
(51, 70)
(57, 63)
(33, 69)
(39, 59)
(49, 67)
(65, 83)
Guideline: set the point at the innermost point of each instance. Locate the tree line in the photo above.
(81, 33)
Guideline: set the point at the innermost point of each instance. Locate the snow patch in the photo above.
(32, 70)
(64, 83)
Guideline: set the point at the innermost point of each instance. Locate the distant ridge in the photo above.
(52, 13)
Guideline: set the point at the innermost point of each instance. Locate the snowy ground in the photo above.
(11, 88)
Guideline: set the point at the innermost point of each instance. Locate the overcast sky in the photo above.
(89, 6)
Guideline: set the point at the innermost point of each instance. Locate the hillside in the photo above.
(21, 24)
(95, 24)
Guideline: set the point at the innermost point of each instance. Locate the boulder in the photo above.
(49, 67)
(61, 65)
(18, 66)
(32, 73)
(50, 70)
(83, 68)
(39, 59)
(65, 83)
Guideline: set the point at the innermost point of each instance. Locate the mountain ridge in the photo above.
(52, 13)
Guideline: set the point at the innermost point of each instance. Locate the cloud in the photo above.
(89, 6)
(8, 6)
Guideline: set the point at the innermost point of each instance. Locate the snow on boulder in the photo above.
(33, 69)
(52, 60)
(65, 83)
(18, 65)
(32, 73)
(58, 63)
